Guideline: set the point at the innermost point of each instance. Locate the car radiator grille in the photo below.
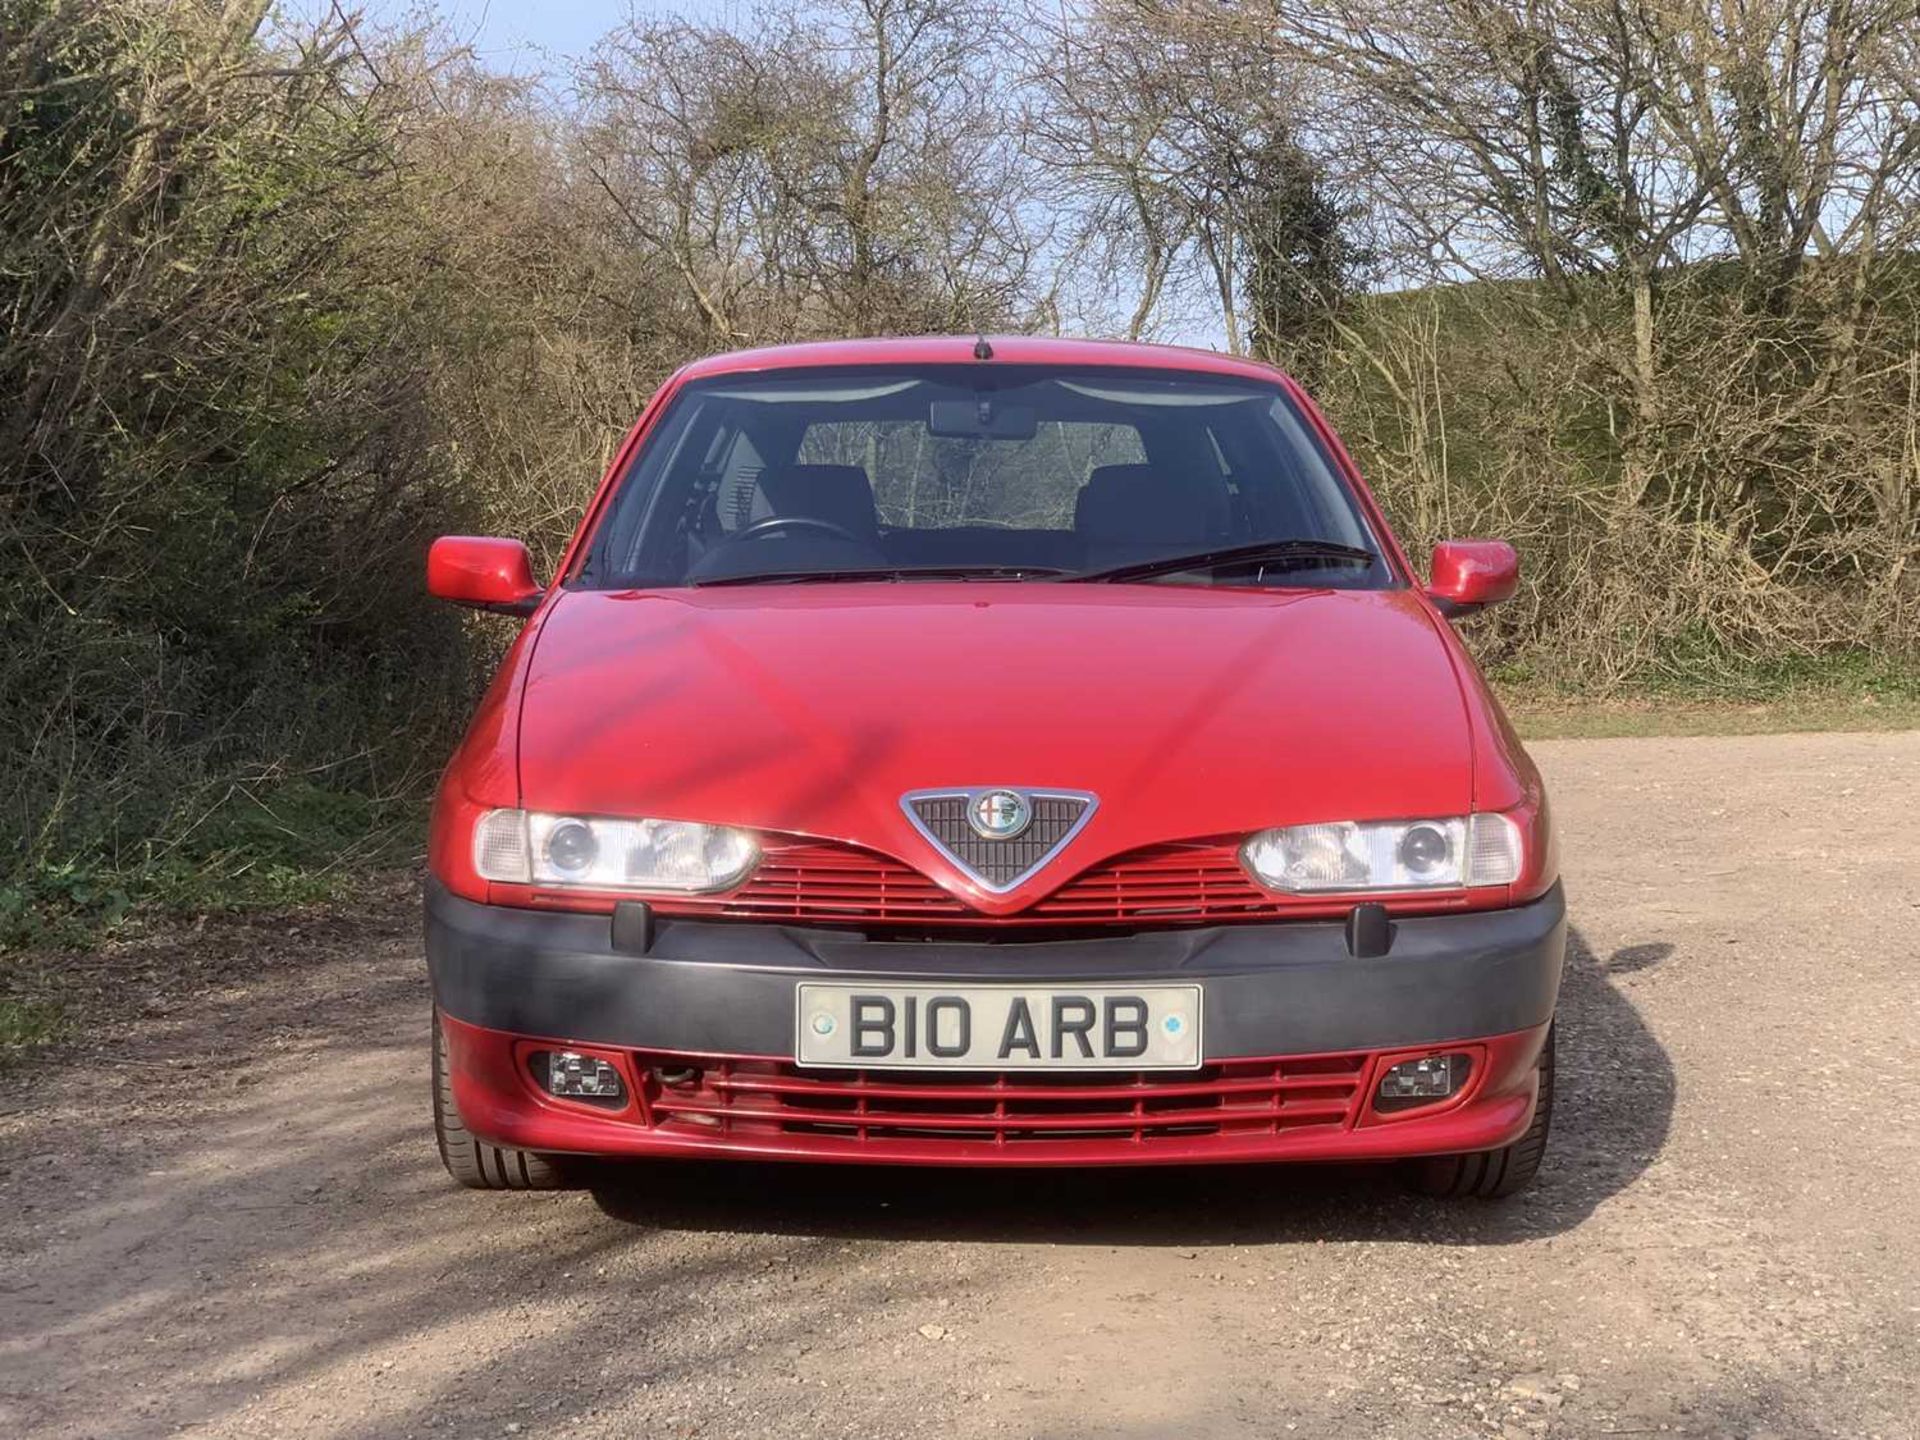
(742, 1098)
(802, 880)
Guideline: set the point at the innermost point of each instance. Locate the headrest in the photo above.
(1140, 505)
(839, 494)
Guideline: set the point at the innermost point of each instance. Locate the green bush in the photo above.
(219, 471)
(1764, 518)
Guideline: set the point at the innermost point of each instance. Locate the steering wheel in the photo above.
(792, 522)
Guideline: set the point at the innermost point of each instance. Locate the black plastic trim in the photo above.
(632, 930)
(1369, 931)
(718, 986)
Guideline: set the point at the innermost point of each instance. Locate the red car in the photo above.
(968, 752)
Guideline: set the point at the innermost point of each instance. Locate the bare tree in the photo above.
(837, 170)
(1179, 146)
(1570, 139)
(1103, 104)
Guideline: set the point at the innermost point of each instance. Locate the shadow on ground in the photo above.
(1614, 1108)
(241, 1263)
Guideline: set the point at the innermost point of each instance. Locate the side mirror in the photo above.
(1469, 575)
(485, 573)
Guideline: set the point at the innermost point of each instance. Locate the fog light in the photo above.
(580, 1077)
(1421, 1082)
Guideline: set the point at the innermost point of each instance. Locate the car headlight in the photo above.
(1347, 855)
(526, 847)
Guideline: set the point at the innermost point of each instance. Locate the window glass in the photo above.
(921, 480)
(1008, 470)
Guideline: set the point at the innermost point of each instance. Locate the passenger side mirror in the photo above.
(1469, 575)
(486, 573)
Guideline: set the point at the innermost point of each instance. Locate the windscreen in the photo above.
(995, 471)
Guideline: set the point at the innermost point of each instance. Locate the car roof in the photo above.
(959, 349)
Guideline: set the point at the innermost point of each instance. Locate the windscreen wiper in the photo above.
(889, 572)
(1274, 553)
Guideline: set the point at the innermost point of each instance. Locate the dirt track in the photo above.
(1723, 1241)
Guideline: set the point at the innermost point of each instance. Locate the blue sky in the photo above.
(517, 36)
(502, 30)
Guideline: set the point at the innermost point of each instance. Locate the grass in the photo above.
(263, 848)
(1558, 717)
(1846, 692)
(25, 1023)
(267, 849)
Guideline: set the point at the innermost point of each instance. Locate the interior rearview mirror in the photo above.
(983, 419)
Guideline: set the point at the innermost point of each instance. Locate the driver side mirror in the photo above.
(486, 573)
(1469, 575)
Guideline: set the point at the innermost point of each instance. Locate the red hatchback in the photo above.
(953, 752)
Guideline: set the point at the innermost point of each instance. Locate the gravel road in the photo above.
(222, 1214)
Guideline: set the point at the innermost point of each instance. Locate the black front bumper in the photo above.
(727, 987)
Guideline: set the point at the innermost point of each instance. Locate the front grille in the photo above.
(747, 1098)
(821, 881)
(1163, 882)
(999, 863)
(1198, 882)
(808, 880)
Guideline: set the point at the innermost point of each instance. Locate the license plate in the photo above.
(998, 1027)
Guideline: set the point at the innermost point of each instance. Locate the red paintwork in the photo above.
(1286, 1108)
(1474, 572)
(480, 570)
(1214, 712)
(815, 713)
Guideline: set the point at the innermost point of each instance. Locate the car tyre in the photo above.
(474, 1163)
(1494, 1174)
